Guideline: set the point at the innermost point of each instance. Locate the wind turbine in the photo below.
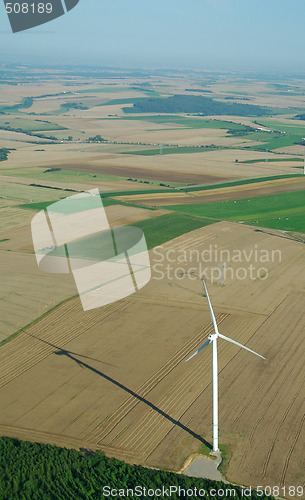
(213, 339)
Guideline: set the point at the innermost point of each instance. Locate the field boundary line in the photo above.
(35, 321)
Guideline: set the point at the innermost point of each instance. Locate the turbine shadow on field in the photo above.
(63, 352)
(199, 294)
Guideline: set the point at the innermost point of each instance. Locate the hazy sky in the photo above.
(203, 34)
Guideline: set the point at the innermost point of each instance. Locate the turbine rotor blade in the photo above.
(239, 345)
(211, 308)
(198, 350)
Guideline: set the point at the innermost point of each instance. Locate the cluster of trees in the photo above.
(229, 98)
(96, 138)
(36, 471)
(147, 182)
(53, 169)
(73, 105)
(4, 154)
(195, 104)
(137, 180)
(245, 129)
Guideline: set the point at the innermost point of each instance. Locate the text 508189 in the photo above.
(28, 8)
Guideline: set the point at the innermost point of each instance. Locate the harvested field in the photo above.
(119, 381)
(146, 132)
(115, 378)
(26, 292)
(17, 239)
(119, 215)
(296, 150)
(13, 217)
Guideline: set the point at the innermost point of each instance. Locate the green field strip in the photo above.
(161, 229)
(283, 127)
(272, 160)
(284, 211)
(45, 204)
(274, 141)
(111, 194)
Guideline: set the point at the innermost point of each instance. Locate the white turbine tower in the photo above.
(213, 339)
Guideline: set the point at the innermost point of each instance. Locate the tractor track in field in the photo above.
(143, 435)
(67, 441)
(266, 463)
(36, 343)
(100, 432)
(286, 465)
(258, 388)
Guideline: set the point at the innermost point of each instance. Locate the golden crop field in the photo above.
(120, 383)
(115, 378)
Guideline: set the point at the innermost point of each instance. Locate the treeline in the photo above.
(7, 82)
(199, 90)
(37, 471)
(229, 98)
(20, 130)
(195, 104)
(96, 138)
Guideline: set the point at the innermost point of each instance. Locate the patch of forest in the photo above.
(196, 104)
(4, 152)
(39, 471)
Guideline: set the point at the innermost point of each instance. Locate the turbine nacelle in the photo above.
(216, 334)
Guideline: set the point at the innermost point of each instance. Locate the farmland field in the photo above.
(280, 211)
(221, 192)
(156, 413)
(115, 378)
